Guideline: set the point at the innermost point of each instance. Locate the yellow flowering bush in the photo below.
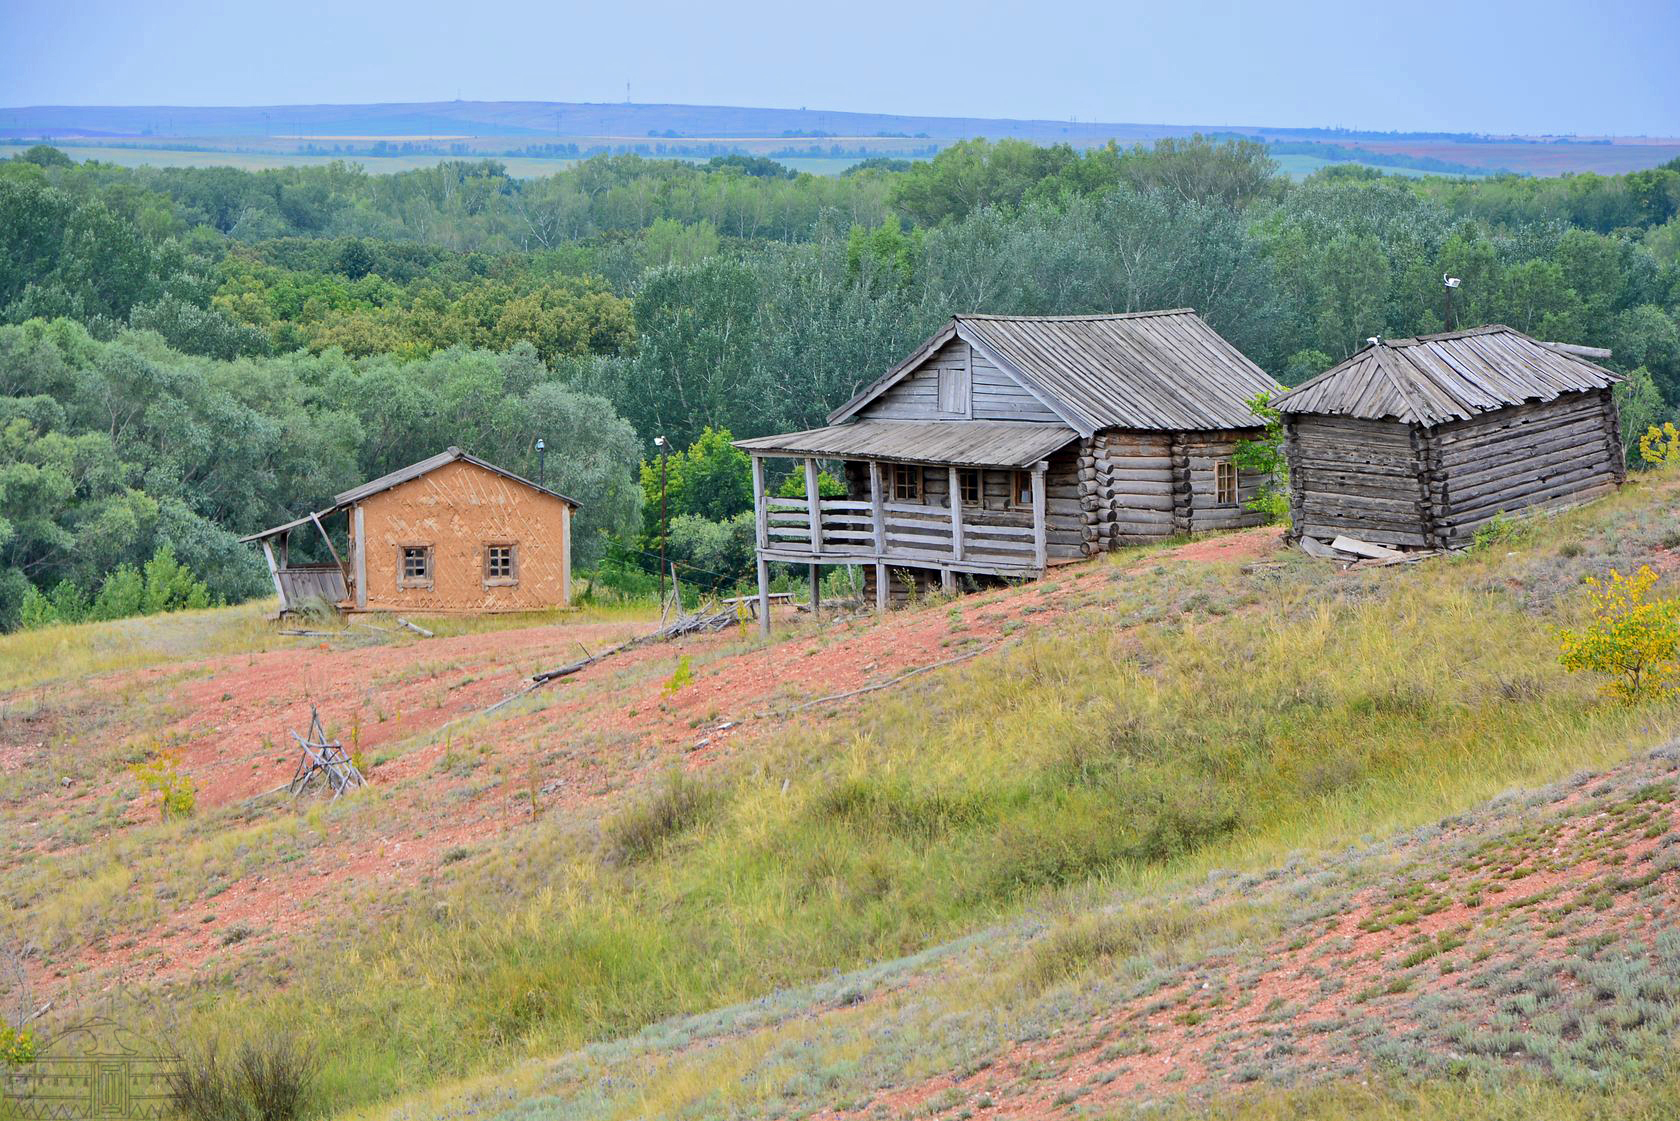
(174, 788)
(1660, 445)
(17, 1046)
(1633, 638)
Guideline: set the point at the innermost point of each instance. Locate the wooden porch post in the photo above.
(762, 512)
(877, 514)
(813, 501)
(763, 596)
(274, 573)
(947, 581)
(1040, 557)
(956, 514)
(883, 592)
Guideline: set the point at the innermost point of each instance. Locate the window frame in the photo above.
(404, 579)
(964, 474)
(1020, 490)
(511, 579)
(917, 487)
(1226, 482)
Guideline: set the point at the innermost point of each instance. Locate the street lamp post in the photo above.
(542, 465)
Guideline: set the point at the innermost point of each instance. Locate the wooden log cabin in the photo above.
(1005, 445)
(1418, 443)
(450, 534)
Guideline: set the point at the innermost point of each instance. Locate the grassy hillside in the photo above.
(874, 892)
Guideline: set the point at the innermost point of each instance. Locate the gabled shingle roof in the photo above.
(1147, 370)
(1436, 378)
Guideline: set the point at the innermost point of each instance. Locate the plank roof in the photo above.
(975, 443)
(1151, 370)
(1453, 376)
(397, 478)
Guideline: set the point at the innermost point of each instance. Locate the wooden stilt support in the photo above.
(883, 591)
(763, 596)
(947, 581)
(816, 588)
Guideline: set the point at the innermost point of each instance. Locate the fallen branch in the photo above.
(415, 627)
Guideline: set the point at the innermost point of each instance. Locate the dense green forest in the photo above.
(191, 354)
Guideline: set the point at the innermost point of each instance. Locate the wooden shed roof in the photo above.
(1160, 370)
(397, 478)
(976, 443)
(1436, 378)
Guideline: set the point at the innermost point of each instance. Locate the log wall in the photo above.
(1144, 486)
(1362, 478)
(1544, 454)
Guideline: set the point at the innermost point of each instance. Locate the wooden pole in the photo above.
(878, 514)
(758, 503)
(813, 501)
(763, 596)
(358, 548)
(883, 593)
(1040, 557)
(956, 514)
(274, 573)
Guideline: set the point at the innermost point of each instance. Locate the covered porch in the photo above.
(945, 497)
(301, 583)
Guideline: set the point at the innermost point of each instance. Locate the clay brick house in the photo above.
(450, 534)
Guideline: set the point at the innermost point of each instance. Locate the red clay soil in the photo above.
(1381, 953)
(607, 729)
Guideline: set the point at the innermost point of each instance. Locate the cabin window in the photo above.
(1225, 483)
(499, 565)
(414, 566)
(1023, 490)
(907, 483)
(968, 480)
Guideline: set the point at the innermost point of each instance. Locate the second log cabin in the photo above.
(1005, 445)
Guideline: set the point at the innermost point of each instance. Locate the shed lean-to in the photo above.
(1421, 442)
(448, 534)
(1004, 445)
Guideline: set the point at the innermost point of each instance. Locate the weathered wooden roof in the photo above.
(397, 478)
(967, 443)
(1436, 378)
(1146, 370)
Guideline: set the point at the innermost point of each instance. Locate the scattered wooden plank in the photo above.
(1313, 547)
(416, 628)
(1366, 549)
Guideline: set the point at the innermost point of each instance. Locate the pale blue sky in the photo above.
(1506, 66)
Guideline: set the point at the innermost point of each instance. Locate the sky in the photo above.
(1503, 66)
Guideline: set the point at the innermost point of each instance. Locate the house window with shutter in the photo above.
(1225, 483)
(414, 566)
(968, 480)
(501, 566)
(907, 482)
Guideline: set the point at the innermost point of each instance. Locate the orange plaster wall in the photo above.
(458, 510)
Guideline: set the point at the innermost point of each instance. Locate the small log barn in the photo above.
(1005, 445)
(1420, 442)
(450, 534)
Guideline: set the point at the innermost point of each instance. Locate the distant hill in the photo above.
(570, 129)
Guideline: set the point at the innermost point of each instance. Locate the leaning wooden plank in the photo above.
(1313, 547)
(1365, 548)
